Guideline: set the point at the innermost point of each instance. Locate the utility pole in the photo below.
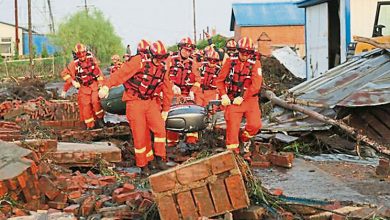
(193, 6)
(52, 28)
(16, 28)
(86, 6)
(30, 46)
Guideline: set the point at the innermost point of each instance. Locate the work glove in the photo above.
(238, 100)
(75, 84)
(63, 94)
(225, 101)
(103, 92)
(192, 95)
(164, 115)
(176, 90)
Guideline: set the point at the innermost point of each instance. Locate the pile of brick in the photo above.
(208, 187)
(263, 156)
(383, 168)
(92, 135)
(39, 109)
(9, 131)
(36, 185)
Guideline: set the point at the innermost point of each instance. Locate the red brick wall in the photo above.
(279, 35)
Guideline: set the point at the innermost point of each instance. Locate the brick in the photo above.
(261, 164)
(18, 212)
(222, 163)
(282, 159)
(187, 206)
(74, 209)
(27, 194)
(259, 157)
(220, 196)
(122, 198)
(383, 169)
(128, 187)
(277, 192)
(48, 187)
(43, 168)
(87, 206)
(3, 189)
(252, 212)
(203, 201)
(167, 208)
(91, 175)
(57, 205)
(33, 168)
(162, 182)
(237, 192)
(12, 184)
(61, 197)
(108, 179)
(192, 173)
(74, 194)
(22, 179)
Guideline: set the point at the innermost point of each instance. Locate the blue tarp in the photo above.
(39, 41)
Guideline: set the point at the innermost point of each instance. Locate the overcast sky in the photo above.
(166, 20)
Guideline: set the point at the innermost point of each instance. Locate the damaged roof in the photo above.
(362, 81)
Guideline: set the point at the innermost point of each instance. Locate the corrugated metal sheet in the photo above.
(267, 14)
(39, 41)
(364, 81)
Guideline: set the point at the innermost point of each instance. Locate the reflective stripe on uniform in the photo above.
(159, 140)
(247, 134)
(195, 134)
(89, 120)
(170, 140)
(150, 153)
(140, 151)
(66, 77)
(99, 112)
(232, 146)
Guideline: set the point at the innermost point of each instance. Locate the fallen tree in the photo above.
(372, 42)
(354, 133)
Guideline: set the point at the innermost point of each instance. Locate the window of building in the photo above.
(5, 46)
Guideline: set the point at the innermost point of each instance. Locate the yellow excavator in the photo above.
(381, 31)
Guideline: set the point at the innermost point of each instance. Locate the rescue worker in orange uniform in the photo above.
(183, 72)
(238, 83)
(85, 75)
(145, 80)
(116, 63)
(208, 74)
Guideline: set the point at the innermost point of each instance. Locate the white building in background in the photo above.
(330, 26)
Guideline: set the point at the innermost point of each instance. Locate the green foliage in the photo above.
(1, 59)
(91, 29)
(16, 53)
(172, 48)
(45, 53)
(297, 148)
(218, 40)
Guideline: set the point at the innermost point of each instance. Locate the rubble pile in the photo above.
(40, 185)
(277, 77)
(24, 90)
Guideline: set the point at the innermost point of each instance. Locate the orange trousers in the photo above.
(89, 104)
(145, 116)
(203, 98)
(249, 109)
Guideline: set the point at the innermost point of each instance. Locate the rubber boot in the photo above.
(161, 163)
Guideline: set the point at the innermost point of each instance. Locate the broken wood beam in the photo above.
(348, 129)
(372, 42)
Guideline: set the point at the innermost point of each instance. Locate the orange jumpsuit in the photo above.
(184, 74)
(207, 90)
(144, 111)
(90, 77)
(244, 79)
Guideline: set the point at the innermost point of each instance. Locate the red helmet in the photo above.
(212, 54)
(231, 44)
(186, 43)
(143, 46)
(80, 50)
(158, 50)
(245, 43)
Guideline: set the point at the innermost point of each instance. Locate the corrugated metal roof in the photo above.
(267, 14)
(363, 81)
